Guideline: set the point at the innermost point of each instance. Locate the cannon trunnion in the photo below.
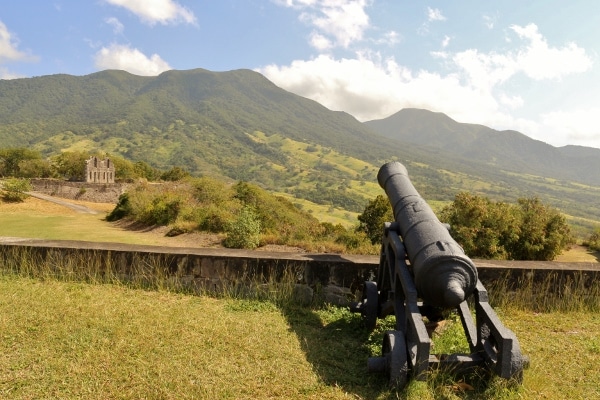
(423, 272)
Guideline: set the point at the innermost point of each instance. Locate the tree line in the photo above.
(527, 230)
(22, 162)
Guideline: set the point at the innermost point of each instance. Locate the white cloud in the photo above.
(539, 61)
(446, 41)
(157, 11)
(483, 70)
(116, 25)
(131, 60)
(434, 14)
(571, 127)
(339, 22)
(489, 21)
(6, 74)
(511, 101)
(535, 59)
(369, 88)
(390, 38)
(473, 90)
(320, 42)
(8, 46)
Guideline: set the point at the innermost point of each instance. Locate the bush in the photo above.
(377, 212)
(14, 190)
(244, 232)
(121, 210)
(528, 230)
(593, 242)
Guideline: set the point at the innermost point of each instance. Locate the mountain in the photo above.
(195, 118)
(505, 150)
(240, 126)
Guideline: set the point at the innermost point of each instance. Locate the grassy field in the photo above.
(68, 340)
(41, 219)
(72, 340)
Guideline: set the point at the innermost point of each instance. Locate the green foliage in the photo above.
(371, 221)
(12, 158)
(13, 189)
(593, 241)
(336, 197)
(125, 170)
(278, 215)
(175, 174)
(71, 164)
(528, 230)
(248, 215)
(544, 232)
(121, 210)
(244, 232)
(145, 171)
(36, 168)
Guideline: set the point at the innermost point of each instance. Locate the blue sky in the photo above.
(505, 64)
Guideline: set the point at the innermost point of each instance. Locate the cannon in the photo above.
(423, 275)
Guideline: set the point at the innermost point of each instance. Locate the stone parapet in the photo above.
(335, 277)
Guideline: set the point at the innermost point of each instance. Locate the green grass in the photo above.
(96, 341)
(69, 340)
(148, 339)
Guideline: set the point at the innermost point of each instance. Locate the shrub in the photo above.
(14, 190)
(593, 242)
(376, 213)
(244, 232)
(528, 230)
(121, 210)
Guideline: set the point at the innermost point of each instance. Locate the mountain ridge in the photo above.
(208, 122)
(506, 149)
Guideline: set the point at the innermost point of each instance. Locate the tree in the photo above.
(14, 190)
(35, 168)
(175, 174)
(528, 230)
(544, 231)
(11, 158)
(244, 232)
(376, 213)
(483, 228)
(593, 242)
(143, 170)
(71, 164)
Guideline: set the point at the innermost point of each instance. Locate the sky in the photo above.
(531, 66)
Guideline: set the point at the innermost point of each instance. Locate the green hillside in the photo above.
(238, 125)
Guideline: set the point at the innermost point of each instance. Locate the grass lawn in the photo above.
(72, 340)
(41, 219)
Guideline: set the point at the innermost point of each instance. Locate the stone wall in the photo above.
(337, 278)
(92, 192)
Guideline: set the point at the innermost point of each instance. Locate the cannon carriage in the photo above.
(423, 272)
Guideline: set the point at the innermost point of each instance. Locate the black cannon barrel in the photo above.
(443, 274)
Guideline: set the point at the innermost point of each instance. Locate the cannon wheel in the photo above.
(370, 300)
(394, 350)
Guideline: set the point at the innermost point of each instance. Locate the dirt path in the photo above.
(77, 207)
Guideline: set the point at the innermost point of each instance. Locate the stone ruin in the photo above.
(99, 171)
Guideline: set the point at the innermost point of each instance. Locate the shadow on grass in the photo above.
(338, 351)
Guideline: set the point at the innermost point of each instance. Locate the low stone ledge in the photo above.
(339, 275)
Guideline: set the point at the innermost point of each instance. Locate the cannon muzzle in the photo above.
(443, 274)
